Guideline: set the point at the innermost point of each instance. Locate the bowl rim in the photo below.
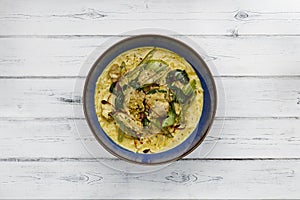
(210, 121)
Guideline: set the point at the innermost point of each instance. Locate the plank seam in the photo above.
(71, 159)
(217, 76)
(226, 118)
(175, 35)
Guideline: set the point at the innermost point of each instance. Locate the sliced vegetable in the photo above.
(124, 87)
(153, 91)
(134, 83)
(120, 135)
(112, 87)
(126, 124)
(148, 56)
(119, 101)
(177, 75)
(115, 88)
(182, 76)
(147, 87)
(145, 121)
(155, 65)
(156, 123)
(170, 120)
(189, 88)
(176, 107)
(170, 77)
(179, 95)
(122, 66)
(134, 74)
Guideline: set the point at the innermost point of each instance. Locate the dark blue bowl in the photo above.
(209, 104)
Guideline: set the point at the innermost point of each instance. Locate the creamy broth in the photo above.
(148, 100)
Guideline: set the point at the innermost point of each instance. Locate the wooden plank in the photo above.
(240, 138)
(37, 98)
(239, 56)
(244, 97)
(44, 44)
(185, 179)
(104, 18)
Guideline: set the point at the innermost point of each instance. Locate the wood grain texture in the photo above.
(255, 47)
(201, 17)
(32, 57)
(186, 179)
(240, 139)
(55, 98)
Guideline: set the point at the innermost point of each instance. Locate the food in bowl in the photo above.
(129, 100)
(148, 100)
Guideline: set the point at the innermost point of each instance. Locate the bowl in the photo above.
(209, 99)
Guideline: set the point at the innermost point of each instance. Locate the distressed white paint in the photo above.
(255, 47)
(226, 179)
(241, 138)
(232, 56)
(186, 17)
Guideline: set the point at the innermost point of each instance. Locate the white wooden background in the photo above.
(255, 46)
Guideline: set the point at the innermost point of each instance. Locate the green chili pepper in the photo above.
(148, 56)
(122, 65)
(120, 135)
(145, 121)
(155, 91)
(189, 88)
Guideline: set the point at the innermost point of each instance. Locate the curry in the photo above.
(148, 100)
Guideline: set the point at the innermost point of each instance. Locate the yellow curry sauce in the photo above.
(148, 100)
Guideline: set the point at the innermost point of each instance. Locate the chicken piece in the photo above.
(107, 106)
(107, 109)
(129, 125)
(158, 104)
(159, 109)
(115, 72)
